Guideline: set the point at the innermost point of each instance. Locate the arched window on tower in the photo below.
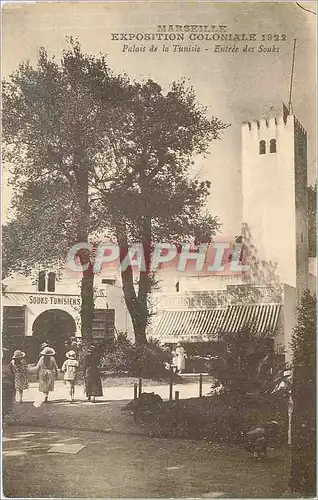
(51, 282)
(262, 147)
(272, 146)
(41, 281)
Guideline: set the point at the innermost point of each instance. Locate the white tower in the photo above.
(274, 183)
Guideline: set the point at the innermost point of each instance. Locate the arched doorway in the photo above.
(54, 327)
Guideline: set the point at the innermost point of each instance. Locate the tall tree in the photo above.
(154, 197)
(312, 213)
(55, 142)
(86, 147)
(303, 465)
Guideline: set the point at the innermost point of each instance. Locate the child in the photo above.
(20, 370)
(70, 367)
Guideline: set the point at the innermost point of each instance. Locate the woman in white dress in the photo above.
(180, 358)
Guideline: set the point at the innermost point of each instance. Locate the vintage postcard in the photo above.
(158, 249)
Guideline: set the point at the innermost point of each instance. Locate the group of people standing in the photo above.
(15, 374)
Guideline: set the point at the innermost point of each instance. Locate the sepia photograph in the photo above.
(158, 258)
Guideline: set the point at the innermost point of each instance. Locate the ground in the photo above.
(121, 458)
(127, 466)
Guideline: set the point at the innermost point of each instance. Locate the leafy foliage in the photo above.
(304, 338)
(153, 150)
(42, 230)
(312, 212)
(303, 467)
(220, 418)
(145, 361)
(243, 363)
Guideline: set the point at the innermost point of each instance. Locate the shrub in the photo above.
(146, 361)
(117, 354)
(303, 465)
(224, 418)
(243, 361)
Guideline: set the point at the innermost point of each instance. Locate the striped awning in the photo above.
(261, 318)
(190, 323)
(205, 324)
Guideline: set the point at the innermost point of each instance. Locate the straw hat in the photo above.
(44, 345)
(18, 354)
(179, 344)
(70, 354)
(47, 351)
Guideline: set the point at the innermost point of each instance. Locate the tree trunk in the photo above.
(87, 283)
(87, 295)
(144, 280)
(134, 306)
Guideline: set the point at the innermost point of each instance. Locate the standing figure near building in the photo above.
(8, 383)
(70, 367)
(93, 383)
(20, 370)
(47, 371)
(174, 361)
(181, 357)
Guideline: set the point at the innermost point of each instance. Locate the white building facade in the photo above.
(35, 309)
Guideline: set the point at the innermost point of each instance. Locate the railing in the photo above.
(210, 299)
(138, 387)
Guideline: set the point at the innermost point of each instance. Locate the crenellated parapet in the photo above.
(270, 124)
(267, 135)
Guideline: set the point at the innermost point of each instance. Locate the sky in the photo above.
(234, 87)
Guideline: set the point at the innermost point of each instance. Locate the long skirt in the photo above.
(46, 380)
(93, 383)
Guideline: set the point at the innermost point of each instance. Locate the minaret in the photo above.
(274, 185)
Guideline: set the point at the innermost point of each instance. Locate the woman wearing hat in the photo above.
(47, 371)
(20, 370)
(93, 383)
(70, 367)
